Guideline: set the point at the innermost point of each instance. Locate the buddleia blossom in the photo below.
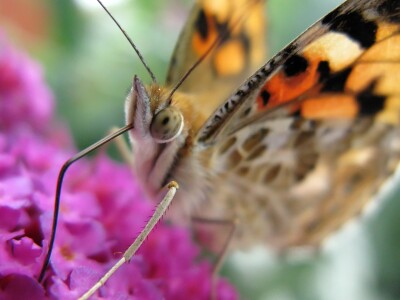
(102, 210)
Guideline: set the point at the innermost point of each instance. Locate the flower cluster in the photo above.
(102, 210)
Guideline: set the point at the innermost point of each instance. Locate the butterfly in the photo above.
(289, 149)
(299, 148)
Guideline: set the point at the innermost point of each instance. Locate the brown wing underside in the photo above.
(292, 182)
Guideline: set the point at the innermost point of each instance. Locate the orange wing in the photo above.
(344, 66)
(237, 30)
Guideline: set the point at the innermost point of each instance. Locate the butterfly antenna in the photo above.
(60, 180)
(153, 77)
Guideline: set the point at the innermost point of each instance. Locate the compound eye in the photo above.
(167, 124)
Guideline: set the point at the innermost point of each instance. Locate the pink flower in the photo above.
(102, 210)
(24, 96)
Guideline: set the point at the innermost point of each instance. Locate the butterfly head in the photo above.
(158, 132)
(153, 114)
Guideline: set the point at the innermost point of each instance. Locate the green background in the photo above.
(90, 65)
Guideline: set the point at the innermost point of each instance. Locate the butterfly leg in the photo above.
(232, 225)
(123, 148)
(158, 213)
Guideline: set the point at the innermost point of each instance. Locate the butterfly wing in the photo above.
(312, 135)
(236, 29)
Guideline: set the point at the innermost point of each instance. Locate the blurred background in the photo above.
(90, 65)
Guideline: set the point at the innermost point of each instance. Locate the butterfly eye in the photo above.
(166, 125)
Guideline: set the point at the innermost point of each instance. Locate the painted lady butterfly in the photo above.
(294, 152)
